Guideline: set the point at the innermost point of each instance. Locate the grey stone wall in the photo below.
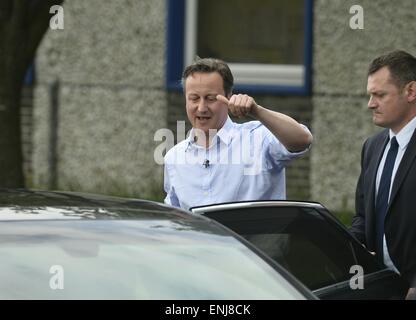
(341, 121)
(110, 61)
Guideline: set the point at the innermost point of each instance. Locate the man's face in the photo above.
(202, 107)
(388, 103)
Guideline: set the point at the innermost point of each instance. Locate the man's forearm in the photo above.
(289, 132)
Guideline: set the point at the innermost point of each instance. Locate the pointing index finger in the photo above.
(222, 99)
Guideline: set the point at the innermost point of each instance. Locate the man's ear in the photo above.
(411, 91)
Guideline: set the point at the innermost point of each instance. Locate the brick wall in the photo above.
(26, 111)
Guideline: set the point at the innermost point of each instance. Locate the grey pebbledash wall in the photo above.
(341, 56)
(110, 61)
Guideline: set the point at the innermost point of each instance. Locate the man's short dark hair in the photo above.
(402, 67)
(208, 65)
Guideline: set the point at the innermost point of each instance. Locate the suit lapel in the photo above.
(404, 167)
(375, 154)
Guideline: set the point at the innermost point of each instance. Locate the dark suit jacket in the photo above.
(400, 221)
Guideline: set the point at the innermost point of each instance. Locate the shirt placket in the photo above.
(206, 177)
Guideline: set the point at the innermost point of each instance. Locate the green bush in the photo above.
(344, 216)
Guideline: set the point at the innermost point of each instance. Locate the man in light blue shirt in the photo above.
(222, 161)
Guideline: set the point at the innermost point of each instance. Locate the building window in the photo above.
(267, 46)
(29, 75)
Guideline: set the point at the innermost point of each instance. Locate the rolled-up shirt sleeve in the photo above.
(277, 151)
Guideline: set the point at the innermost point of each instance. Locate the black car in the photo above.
(313, 245)
(62, 245)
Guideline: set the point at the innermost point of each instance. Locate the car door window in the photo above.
(300, 239)
(362, 256)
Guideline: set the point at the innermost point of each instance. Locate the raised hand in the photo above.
(240, 105)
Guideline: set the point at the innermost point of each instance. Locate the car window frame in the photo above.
(357, 248)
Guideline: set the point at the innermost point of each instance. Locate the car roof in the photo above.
(28, 204)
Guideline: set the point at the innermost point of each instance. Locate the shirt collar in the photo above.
(224, 134)
(405, 134)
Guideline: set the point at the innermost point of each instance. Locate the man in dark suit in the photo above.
(385, 220)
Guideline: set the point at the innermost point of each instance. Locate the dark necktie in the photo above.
(383, 196)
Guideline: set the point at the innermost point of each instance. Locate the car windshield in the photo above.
(143, 259)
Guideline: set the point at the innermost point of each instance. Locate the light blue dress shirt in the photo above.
(244, 162)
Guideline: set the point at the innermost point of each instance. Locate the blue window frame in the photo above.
(29, 75)
(268, 78)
